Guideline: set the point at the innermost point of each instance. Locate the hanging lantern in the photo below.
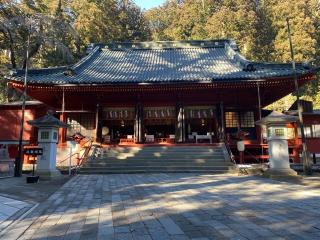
(122, 123)
(202, 122)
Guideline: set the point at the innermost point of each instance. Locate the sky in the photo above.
(149, 3)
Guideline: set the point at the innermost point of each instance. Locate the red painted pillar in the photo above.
(99, 124)
(63, 131)
(296, 149)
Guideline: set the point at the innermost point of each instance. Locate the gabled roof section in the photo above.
(277, 118)
(47, 121)
(160, 62)
(307, 106)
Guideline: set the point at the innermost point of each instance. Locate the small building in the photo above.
(311, 120)
(163, 92)
(10, 120)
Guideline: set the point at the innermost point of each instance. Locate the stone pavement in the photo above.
(175, 207)
(10, 209)
(17, 187)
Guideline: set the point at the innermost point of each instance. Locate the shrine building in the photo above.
(162, 92)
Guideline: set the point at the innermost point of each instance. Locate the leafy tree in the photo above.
(52, 38)
(95, 21)
(263, 36)
(10, 16)
(131, 21)
(99, 21)
(47, 32)
(303, 31)
(188, 21)
(235, 20)
(304, 19)
(159, 19)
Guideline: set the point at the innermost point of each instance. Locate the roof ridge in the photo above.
(120, 46)
(232, 51)
(86, 58)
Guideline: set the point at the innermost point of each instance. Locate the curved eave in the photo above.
(239, 83)
(55, 70)
(165, 82)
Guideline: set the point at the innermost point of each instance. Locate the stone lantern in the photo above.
(277, 137)
(48, 127)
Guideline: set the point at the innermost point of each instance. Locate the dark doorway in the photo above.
(118, 129)
(160, 128)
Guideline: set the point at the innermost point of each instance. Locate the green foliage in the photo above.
(237, 20)
(303, 29)
(109, 20)
(3, 70)
(61, 29)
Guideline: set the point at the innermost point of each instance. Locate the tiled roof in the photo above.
(47, 121)
(161, 62)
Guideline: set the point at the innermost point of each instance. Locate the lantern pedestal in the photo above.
(46, 166)
(278, 146)
(48, 138)
(281, 174)
(279, 159)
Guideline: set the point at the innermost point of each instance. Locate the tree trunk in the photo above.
(11, 48)
(33, 51)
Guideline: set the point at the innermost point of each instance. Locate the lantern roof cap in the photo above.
(277, 118)
(47, 121)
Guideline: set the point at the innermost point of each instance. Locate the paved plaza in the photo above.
(10, 210)
(174, 206)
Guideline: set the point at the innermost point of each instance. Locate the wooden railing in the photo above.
(232, 157)
(80, 158)
(68, 158)
(252, 156)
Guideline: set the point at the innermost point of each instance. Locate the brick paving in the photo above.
(175, 207)
(10, 209)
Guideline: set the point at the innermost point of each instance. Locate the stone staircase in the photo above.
(156, 159)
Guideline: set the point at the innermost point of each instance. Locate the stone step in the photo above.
(115, 161)
(162, 153)
(172, 158)
(163, 159)
(157, 153)
(162, 167)
(165, 147)
(165, 150)
(117, 149)
(144, 169)
(155, 164)
(127, 171)
(158, 159)
(153, 159)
